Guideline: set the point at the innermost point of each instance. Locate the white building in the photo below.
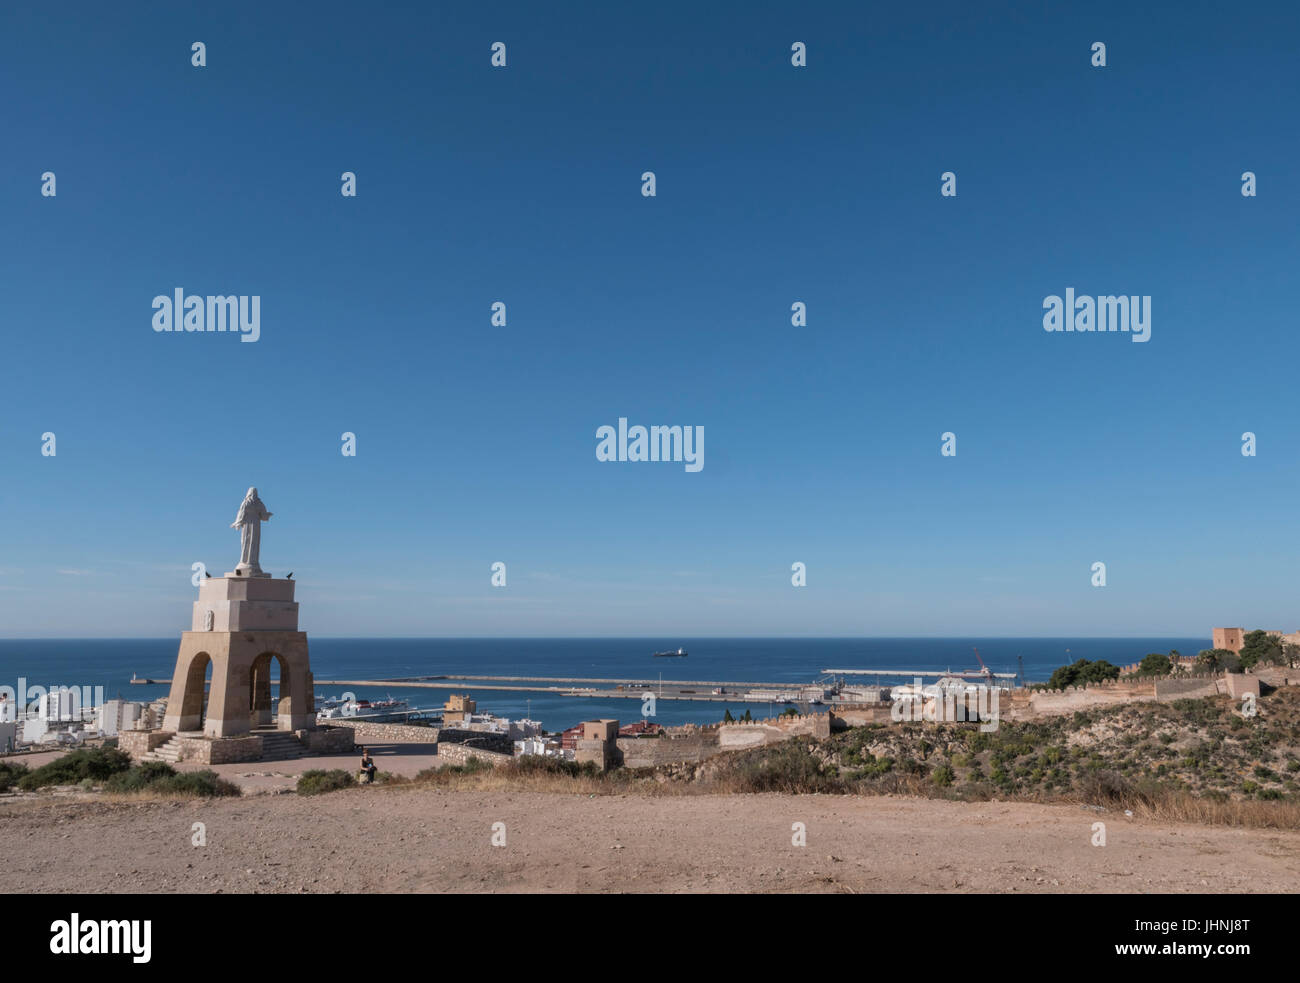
(530, 745)
(113, 716)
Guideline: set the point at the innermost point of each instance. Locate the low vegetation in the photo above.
(1191, 760)
(10, 773)
(110, 770)
(160, 778)
(95, 764)
(1082, 672)
(317, 781)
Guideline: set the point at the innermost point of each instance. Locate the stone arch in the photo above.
(194, 693)
(265, 711)
(261, 707)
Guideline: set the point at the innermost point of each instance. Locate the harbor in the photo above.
(833, 686)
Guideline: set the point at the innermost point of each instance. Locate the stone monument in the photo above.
(244, 625)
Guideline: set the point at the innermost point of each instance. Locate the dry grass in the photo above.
(1181, 807)
(741, 773)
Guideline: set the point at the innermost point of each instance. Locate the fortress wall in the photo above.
(650, 752)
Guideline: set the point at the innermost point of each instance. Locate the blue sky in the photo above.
(775, 184)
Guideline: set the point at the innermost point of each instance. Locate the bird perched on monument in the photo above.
(290, 577)
(206, 574)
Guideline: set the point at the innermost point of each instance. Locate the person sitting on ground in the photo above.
(367, 766)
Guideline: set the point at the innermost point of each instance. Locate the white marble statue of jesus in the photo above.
(252, 513)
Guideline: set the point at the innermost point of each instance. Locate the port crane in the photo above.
(985, 671)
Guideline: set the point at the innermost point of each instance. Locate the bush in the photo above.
(942, 776)
(1260, 648)
(207, 784)
(161, 778)
(71, 769)
(1218, 659)
(783, 768)
(317, 781)
(140, 777)
(541, 764)
(10, 773)
(1155, 664)
(1104, 787)
(1082, 672)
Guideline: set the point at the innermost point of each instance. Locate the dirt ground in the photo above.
(440, 839)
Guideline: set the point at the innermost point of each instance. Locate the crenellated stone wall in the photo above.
(845, 715)
(773, 730)
(650, 752)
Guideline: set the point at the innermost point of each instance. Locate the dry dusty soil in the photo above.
(440, 839)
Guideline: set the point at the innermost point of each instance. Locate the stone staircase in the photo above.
(169, 752)
(277, 745)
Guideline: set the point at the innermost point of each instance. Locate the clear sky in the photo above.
(775, 184)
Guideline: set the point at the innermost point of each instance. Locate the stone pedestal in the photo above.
(240, 695)
(241, 626)
(245, 603)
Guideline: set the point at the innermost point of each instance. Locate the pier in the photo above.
(574, 686)
(825, 690)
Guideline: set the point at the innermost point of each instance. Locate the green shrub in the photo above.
(10, 774)
(786, 768)
(1082, 672)
(207, 784)
(96, 763)
(162, 778)
(1103, 787)
(317, 781)
(140, 777)
(942, 776)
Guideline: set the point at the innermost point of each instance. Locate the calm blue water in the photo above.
(111, 662)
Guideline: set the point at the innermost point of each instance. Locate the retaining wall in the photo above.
(458, 754)
(367, 731)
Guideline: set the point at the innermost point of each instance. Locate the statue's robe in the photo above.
(249, 522)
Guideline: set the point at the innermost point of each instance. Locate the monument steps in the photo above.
(279, 745)
(169, 752)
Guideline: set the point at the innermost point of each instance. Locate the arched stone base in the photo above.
(239, 697)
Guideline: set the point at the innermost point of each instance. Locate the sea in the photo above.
(111, 664)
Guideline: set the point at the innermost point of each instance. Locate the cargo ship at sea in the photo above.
(679, 654)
